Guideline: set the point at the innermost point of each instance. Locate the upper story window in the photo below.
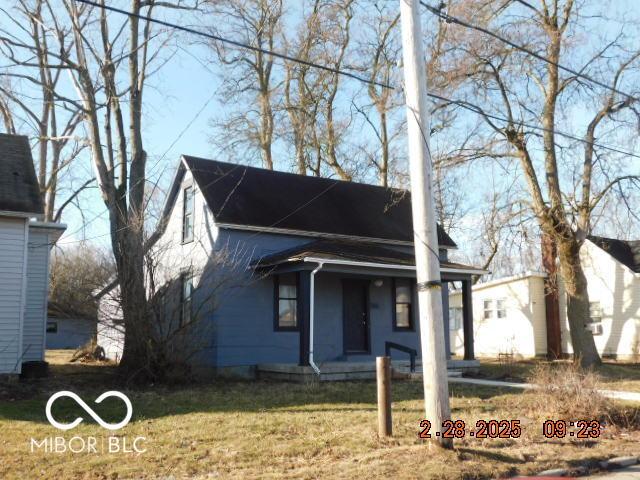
(402, 318)
(187, 214)
(286, 301)
(501, 308)
(186, 296)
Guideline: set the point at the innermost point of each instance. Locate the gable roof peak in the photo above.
(261, 198)
(627, 252)
(19, 189)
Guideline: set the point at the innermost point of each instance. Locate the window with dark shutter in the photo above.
(286, 301)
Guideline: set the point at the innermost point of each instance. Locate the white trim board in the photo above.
(390, 266)
(305, 233)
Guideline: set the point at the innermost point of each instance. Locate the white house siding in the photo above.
(13, 240)
(522, 331)
(33, 338)
(617, 288)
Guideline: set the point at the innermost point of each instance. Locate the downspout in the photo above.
(312, 316)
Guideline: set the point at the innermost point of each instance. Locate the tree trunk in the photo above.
(384, 167)
(266, 131)
(575, 282)
(138, 343)
(551, 297)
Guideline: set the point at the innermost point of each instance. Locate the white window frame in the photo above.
(488, 309)
(188, 210)
(186, 299)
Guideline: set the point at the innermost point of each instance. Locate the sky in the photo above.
(180, 102)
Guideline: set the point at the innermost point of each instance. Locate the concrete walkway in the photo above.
(618, 395)
(629, 473)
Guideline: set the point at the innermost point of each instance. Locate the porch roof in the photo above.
(356, 254)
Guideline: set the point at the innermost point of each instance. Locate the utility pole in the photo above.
(425, 237)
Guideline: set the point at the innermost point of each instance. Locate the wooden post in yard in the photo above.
(383, 375)
(425, 238)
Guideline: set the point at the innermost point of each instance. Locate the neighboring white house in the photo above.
(510, 315)
(25, 243)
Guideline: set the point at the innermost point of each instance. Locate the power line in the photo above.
(479, 111)
(464, 104)
(451, 19)
(235, 43)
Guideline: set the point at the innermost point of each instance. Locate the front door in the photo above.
(355, 297)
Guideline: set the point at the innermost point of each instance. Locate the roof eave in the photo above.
(355, 263)
(313, 234)
(11, 213)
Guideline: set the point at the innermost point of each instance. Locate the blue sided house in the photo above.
(283, 275)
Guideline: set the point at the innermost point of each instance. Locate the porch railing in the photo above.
(411, 351)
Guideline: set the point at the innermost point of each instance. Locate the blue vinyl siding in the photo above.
(240, 330)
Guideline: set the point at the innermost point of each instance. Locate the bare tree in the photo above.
(336, 41)
(75, 275)
(564, 190)
(108, 59)
(380, 50)
(301, 87)
(52, 118)
(180, 307)
(249, 82)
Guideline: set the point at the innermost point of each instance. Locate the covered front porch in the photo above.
(352, 300)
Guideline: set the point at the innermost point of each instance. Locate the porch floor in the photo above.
(335, 371)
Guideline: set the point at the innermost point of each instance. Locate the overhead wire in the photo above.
(452, 19)
(462, 103)
(469, 106)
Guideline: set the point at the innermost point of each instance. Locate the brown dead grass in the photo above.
(279, 430)
(614, 375)
(568, 391)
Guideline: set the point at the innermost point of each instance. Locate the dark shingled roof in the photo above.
(626, 252)
(243, 195)
(19, 190)
(353, 251)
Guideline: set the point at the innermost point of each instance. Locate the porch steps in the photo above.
(337, 371)
(406, 373)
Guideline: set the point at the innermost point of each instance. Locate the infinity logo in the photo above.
(89, 410)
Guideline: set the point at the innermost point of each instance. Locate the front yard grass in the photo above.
(614, 375)
(278, 430)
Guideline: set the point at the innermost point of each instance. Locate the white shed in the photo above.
(509, 316)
